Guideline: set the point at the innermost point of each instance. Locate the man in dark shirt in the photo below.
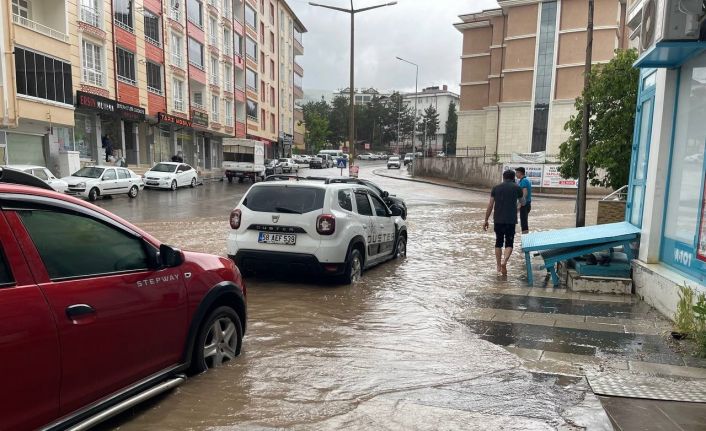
(504, 203)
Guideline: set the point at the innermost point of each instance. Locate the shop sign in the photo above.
(102, 104)
(199, 118)
(166, 118)
(552, 178)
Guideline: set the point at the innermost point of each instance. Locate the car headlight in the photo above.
(81, 185)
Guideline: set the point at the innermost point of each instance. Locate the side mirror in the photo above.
(396, 211)
(385, 194)
(170, 257)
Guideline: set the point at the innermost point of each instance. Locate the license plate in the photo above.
(277, 238)
(152, 183)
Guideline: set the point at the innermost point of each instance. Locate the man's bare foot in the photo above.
(503, 268)
(499, 270)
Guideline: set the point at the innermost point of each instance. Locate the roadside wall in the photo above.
(474, 172)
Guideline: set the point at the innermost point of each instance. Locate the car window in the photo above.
(363, 204)
(109, 175)
(285, 199)
(123, 174)
(72, 245)
(5, 273)
(187, 168)
(345, 200)
(380, 209)
(41, 174)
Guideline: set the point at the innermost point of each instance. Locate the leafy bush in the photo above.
(684, 319)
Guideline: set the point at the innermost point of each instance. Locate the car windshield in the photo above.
(89, 172)
(394, 159)
(283, 160)
(285, 199)
(163, 167)
(409, 155)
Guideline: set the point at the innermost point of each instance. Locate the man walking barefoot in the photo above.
(526, 202)
(504, 202)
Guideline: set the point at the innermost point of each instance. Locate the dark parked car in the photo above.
(273, 167)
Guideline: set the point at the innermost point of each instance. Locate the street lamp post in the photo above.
(416, 93)
(351, 116)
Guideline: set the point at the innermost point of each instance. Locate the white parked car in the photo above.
(324, 227)
(394, 162)
(171, 175)
(366, 156)
(43, 174)
(289, 165)
(94, 181)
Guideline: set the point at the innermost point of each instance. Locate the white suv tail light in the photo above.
(326, 224)
(235, 217)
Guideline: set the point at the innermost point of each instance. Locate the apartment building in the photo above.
(440, 98)
(157, 77)
(361, 96)
(291, 75)
(522, 69)
(37, 80)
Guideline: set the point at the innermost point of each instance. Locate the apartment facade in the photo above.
(157, 78)
(440, 98)
(291, 75)
(522, 69)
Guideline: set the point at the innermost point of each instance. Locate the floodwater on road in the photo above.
(385, 353)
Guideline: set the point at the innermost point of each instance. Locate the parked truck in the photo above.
(243, 158)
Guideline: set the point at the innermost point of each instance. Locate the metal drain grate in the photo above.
(652, 388)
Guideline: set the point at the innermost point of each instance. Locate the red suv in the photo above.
(97, 315)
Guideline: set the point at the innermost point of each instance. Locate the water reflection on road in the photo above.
(385, 353)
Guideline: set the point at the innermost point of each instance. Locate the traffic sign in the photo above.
(341, 163)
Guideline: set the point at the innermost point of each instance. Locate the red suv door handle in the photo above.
(80, 312)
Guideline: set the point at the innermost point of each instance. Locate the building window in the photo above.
(272, 123)
(229, 113)
(195, 12)
(178, 94)
(228, 77)
(251, 79)
(263, 92)
(90, 13)
(251, 49)
(250, 16)
(214, 71)
(38, 75)
(227, 41)
(281, 21)
(272, 70)
(126, 65)
(543, 79)
(22, 8)
(251, 109)
(272, 96)
(262, 63)
(92, 63)
(212, 30)
(175, 10)
(152, 31)
(272, 42)
(298, 83)
(195, 53)
(238, 45)
(215, 108)
(122, 9)
(263, 120)
(272, 14)
(177, 57)
(154, 78)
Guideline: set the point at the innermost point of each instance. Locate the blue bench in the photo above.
(564, 244)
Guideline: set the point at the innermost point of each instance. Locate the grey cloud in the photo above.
(418, 30)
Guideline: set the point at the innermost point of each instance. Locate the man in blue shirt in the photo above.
(526, 201)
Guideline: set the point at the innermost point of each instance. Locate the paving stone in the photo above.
(667, 370)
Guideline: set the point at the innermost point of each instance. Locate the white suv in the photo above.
(311, 225)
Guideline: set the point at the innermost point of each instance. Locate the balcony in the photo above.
(213, 79)
(298, 92)
(175, 14)
(179, 105)
(298, 69)
(41, 28)
(93, 77)
(91, 16)
(177, 60)
(298, 47)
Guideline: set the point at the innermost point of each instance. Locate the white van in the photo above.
(335, 154)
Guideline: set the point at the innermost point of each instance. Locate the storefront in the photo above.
(668, 175)
(98, 118)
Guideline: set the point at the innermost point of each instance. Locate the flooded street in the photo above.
(386, 353)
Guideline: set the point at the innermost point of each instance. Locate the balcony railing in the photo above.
(229, 120)
(177, 60)
(213, 79)
(214, 116)
(155, 90)
(40, 28)
(227, 49)
(213, 39)
(197, 105)
(175, 14)
(91, 16)
(93, 77)
(178, 105)
(154, 42)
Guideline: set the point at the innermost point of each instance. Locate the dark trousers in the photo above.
(524, 212)
(504, 235)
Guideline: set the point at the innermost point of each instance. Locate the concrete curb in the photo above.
(475, 189)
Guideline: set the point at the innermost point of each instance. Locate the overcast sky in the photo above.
(418, 30)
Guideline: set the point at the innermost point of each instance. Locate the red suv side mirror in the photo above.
(170, 257)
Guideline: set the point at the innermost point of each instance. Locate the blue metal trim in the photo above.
(669, 166)
(669, 54)
(699, 217)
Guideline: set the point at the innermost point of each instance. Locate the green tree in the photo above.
(613, 96)
(338, 120)
(451, 129)
(317, 132)
(429, 123)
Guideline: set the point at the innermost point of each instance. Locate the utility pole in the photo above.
(583, 175)
(351, 115)
(416, 96)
